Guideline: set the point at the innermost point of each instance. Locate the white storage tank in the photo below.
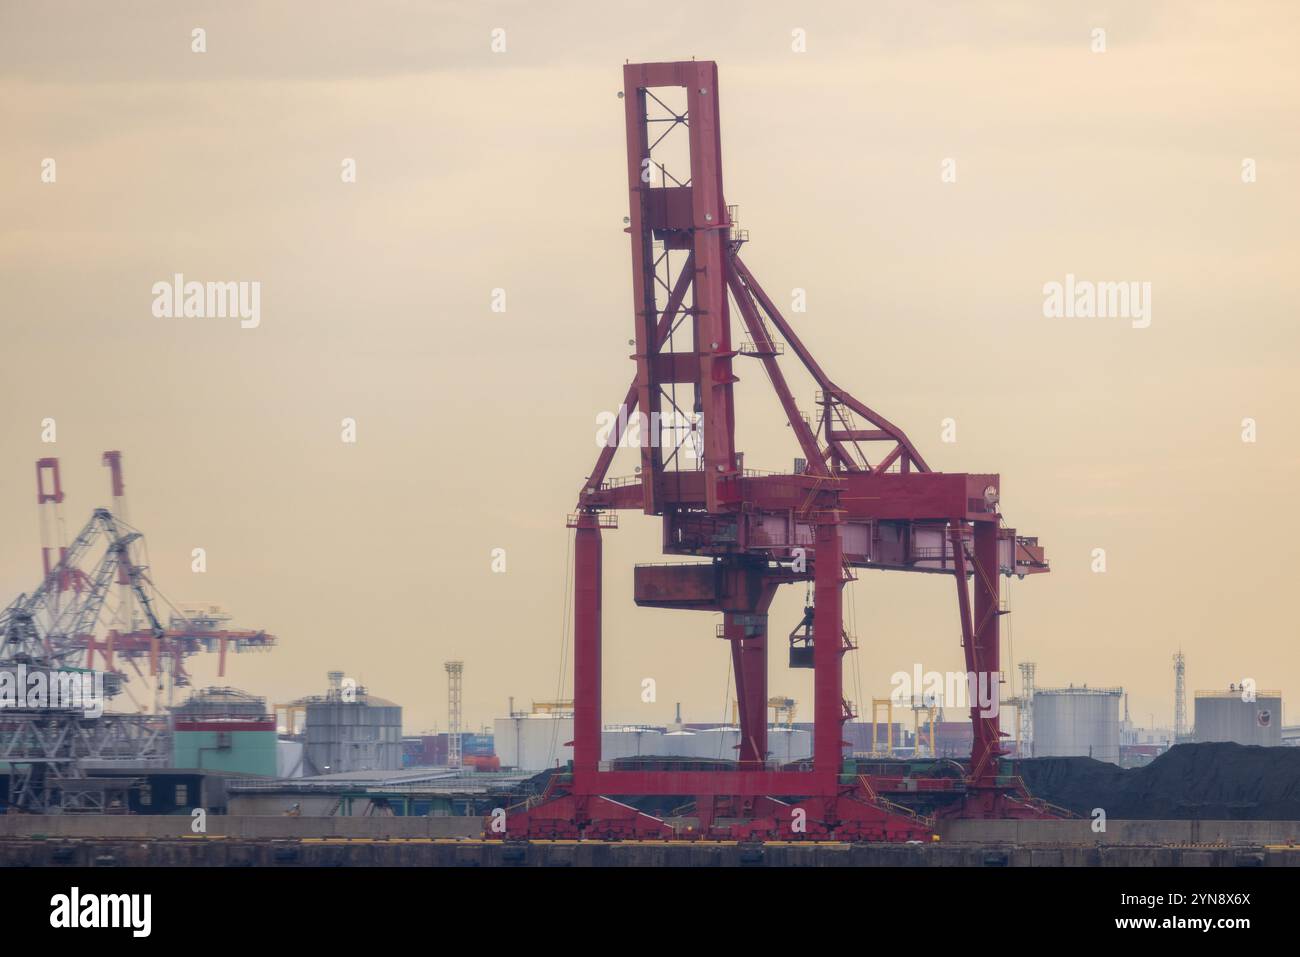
(1077, 723)
(630, 742)
(715, 743)
(679, 744)
(788, 744)
(533, 742)
(1236, 715)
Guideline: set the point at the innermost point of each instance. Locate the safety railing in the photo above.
(603, 519)
(774, 347)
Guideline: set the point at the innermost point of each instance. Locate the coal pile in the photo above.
(660, 805)
(1212, 781)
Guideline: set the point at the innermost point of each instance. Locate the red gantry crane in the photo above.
(860, 496)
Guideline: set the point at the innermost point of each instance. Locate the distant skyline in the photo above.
(923, 172)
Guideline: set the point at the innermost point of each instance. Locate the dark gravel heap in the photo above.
(1213, 781)
(1207, 782)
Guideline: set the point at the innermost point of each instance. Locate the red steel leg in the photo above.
(987, 582)
(828, 647)
(753, 730)
(586, 651)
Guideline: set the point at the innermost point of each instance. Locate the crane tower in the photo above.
(455, 671)
(1180, 698)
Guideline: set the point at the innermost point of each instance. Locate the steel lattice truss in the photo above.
(53, 755)
(64, 621)
(56, 622)
(62, 736)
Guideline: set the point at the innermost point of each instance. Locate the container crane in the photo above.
(97, 605)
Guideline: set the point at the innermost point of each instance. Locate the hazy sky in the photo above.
(479, 170)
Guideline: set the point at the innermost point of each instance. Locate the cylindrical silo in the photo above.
(678, 744)
(534, 742)
(1077, 723)
(785, 745)
(629, 742)
(1236, 715)
(717, 743)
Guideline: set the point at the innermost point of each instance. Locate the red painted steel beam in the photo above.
(828, 645)
(986, 584)
(815, 370)
(632, 399)
(705, 232)
(643, 282)
(113, 460)
(980, 632)
(53, 492)
(807, 440)
(586, 645)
